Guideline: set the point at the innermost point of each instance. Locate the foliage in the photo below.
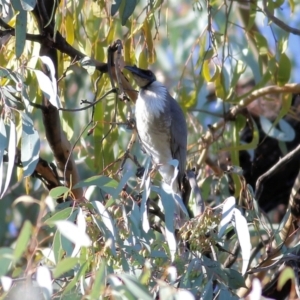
(76, 220)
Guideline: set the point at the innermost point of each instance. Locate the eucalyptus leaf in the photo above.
(242, 230)
(30, 146)
(12, 144)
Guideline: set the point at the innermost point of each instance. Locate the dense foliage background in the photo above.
(78, 217)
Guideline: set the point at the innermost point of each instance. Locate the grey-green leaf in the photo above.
(30, 145)
(128, 10)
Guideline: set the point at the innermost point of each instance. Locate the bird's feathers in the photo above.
(162, 129)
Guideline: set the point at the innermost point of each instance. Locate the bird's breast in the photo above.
(153, 127)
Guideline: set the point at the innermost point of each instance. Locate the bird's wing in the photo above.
(178, 136)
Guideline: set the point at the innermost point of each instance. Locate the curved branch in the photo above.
(278, 22)
(208, 138)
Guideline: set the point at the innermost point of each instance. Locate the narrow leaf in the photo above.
(64, 266)
(128, 10)
(30, 146)
(11, 155)
(28, 5)
(23, 239)
(284, 69)
(105, 216)
(227, 212)
(21, 25)
(3, 145)
(46, 86)
(135, 287)
(73, 233)
(43, 279)
(242, 231)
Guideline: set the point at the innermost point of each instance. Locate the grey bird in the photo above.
(161, 126)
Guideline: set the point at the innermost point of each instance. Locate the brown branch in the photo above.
(59, 44)
(272, 171)
(208, 138)
(278, 22)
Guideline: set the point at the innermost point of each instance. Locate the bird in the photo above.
(161, 126)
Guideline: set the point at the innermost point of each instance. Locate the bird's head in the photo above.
(143, 78)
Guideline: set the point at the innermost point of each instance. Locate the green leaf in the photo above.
(81, 273)
(235, 279)
(60, 215)
(242, 230)
(128, 10)
(21, 25)
(73, 233)
(285, 275)
(292, 5)
(6, 258)
(100, 281)
(30, 145)
(276, 3)
(22, 241)
(57, 192)
(285, 134)
(3, 145)
(220, 85)
(227, 212)
(263, 49)
(115, 7)
(48, 87)
(57, 247)
(252, 16)
(11, 100)
(64, 266)
(11, 155)
(135, 287)
(107, 184)
(284, 69)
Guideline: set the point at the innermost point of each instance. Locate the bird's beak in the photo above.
(138, 72)
(143, 78)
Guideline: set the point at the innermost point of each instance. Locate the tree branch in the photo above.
(278, 22)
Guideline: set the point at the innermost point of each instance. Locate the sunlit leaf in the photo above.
(3, 145)
(106, 218)
(6, 283)
(292, 5)
(286, 275)
(170, 209)
(242, 230)
(73, 233)
(69, 28)
(44, 281)
(227, 212)
(28, 5)
(46, 86)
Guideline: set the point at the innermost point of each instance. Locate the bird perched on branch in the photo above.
(161, 126)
